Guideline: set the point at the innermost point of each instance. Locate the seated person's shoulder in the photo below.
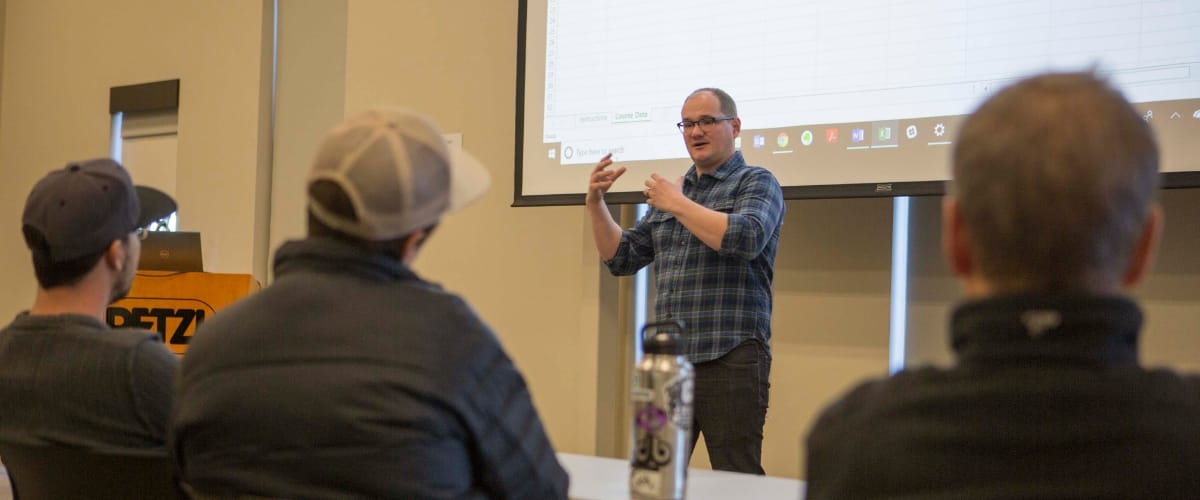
(1192, 382)
(449, 308)
(463, 336)
(148, 356)
(902, 382)
(136, 339)
(152, 346)
(1174, 383)
(868, 399)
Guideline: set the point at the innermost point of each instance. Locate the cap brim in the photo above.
(156, 205)
(469, 180)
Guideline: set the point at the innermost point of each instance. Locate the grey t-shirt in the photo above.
(70, 379)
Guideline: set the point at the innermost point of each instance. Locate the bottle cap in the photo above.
(664, 343)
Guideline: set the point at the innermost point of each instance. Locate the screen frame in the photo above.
(1169, 180)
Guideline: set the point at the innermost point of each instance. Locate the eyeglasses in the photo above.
(142, 232)
(705, 123)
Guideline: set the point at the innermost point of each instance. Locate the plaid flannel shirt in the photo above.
(723, 297)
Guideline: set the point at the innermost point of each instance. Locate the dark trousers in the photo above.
(730, 407)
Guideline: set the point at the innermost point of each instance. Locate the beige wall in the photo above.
(1169, 296)
(310, 99)
(3, 10)
(830, 325)
(532, 273)
(59, 65)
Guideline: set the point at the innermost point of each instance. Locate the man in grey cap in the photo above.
(351, 376)
(65, 377)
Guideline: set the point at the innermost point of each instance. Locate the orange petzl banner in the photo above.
(174, 304)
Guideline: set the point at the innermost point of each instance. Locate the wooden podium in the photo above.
(174, 303)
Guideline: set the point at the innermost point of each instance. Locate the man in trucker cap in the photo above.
(350, 375)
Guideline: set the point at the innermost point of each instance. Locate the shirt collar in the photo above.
(731, 165)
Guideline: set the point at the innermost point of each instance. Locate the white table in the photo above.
(602, 478)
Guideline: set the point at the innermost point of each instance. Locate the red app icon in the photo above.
(831, 135)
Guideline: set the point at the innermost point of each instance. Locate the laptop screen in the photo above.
(171, 251)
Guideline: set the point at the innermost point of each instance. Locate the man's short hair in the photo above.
(1054, 178)
(728, 107)
(51, 274)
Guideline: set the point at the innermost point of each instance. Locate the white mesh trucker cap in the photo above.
(398, 173)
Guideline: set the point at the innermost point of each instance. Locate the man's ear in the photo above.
(1142, 257)
(956, 244)
(412, 245)
(114, 255)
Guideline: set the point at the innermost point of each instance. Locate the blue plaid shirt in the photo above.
(723, 297)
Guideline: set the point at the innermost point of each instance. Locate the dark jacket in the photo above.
(351, 377)
(1047, 400)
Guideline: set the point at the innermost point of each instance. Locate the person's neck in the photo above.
(702, 169)
(976, 287)
(83, 298)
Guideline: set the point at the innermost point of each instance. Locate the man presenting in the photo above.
(712, 236)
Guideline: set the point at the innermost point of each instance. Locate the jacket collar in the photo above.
(333, 256)
(1062, 327)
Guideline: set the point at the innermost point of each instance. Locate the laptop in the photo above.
(171, 251)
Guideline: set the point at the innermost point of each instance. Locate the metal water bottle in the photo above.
(662, 414)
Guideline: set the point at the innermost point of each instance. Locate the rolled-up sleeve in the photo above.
(757, 213)
(636, 249)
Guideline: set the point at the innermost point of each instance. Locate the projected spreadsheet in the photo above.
(617, 71)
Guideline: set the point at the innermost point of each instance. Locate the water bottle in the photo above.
(662, 414)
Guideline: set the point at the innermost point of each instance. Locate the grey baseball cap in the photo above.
(81, 208)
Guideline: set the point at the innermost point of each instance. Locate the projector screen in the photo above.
(837, 99)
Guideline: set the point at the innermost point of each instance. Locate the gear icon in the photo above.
(939, 130)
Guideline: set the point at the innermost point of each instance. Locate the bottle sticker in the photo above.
(650, 418)
(651, 450)
(679, 397)
(641, 395)
(645, 482)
